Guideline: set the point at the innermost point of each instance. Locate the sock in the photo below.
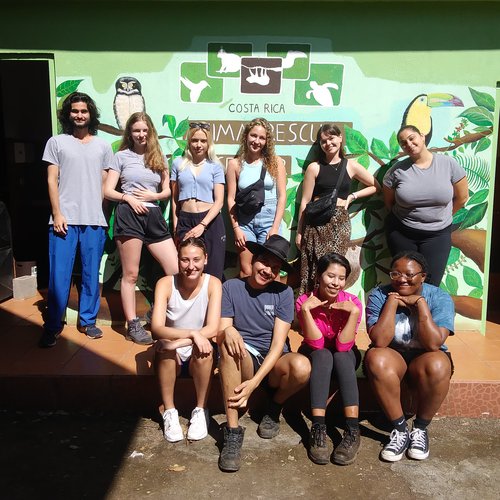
(400, 424)
(420, 423)
(317, 419)
(352, 423)
(274, 410)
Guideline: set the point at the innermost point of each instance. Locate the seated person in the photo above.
(257, 312)
(408, 322)
(186, 316)
(329, 319)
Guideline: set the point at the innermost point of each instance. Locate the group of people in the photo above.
(249, 317)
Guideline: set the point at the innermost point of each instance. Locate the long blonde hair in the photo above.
(153, 156)
(187, 156)
(269, 157)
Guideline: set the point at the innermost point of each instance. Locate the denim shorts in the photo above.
(256, 229)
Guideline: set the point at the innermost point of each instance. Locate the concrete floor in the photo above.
(60, 455)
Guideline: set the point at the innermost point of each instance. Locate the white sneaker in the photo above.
(172, 429)
(198, 425)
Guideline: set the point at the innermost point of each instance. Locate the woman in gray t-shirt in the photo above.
(422, 192)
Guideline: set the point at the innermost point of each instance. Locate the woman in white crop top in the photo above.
(256, 151)
(186, 317)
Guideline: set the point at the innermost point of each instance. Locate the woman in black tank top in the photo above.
(320, 179)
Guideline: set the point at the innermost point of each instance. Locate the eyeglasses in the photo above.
(203, 125)
(396, 275)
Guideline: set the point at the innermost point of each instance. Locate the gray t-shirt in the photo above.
(134, 174)
(254, 311)
(423, 197)
(80, 177)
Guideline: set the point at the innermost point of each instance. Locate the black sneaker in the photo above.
(230, 456)
(137, 334)
(318, 446)
(396, 447)
(48, 339)
(91, 331)
(419, 444)
(346, 451)
(268, 427)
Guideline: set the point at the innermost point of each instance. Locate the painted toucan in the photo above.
(418, 112)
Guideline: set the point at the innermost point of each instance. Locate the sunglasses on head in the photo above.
(205, 126)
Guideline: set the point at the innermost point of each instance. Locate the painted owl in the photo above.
(128, 99)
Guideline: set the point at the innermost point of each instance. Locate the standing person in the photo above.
(329, 318)
(77, 166)
(141, 168)
(257, 312)
(320, 179)
(197, 181)
(408, 322)
(422, 192)
(256, 152)
(185, 317)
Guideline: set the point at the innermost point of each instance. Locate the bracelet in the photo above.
(354, 196)
(420, 298)
(203, 224)
(122, 198)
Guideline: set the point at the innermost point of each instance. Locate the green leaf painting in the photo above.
(182, 128)
(369, 278)
(364, 160)
(478, 116)
(483, 99)
(67, 87)
(477, 293)
(394, 145)
(380, 149)
(472, 277)
(170, 121)
(116, 145)
(355, 141)
(478, 197)
(483, 144)
(474, 216)
(454, 256)
(451, 284)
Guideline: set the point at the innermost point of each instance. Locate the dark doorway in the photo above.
(25, 126)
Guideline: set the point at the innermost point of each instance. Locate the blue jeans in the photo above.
(62, 252)
(257, 228)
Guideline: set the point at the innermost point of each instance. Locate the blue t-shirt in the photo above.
(251, 173)
(406, 327)
(201, 186)
(254, 311)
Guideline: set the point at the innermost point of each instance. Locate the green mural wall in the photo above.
(364, 65)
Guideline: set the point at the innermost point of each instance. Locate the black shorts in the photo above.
(150, 227)
(410, 355)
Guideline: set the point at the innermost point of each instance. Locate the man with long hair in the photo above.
(77, 162)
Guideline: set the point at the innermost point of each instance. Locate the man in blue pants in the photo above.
(78, 161)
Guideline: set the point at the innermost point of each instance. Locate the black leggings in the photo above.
(325, 363)
(435, 246)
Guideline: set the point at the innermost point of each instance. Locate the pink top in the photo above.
(329, 321)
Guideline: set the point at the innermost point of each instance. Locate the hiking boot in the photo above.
(91, 331)
(48, 338)
(137, 334)
(230, 456)
(268, 427)
(419, 444)
(395, 448)
(172, 429)
(318, 446)
(198, 425)
(346, 451)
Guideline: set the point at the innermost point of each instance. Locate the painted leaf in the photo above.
(355, 141)
(478, 116)
(364, 160)
(115, 145)
(478, 197)
(380, 149)
(472, 277)
(394, 145)
(483, 99)
(369, 278)
(181, 143)
(451, 284)
(291, 194)
(477, 293)
(454, 256)
(459, 216)
(301, 163)
(177, 152)
(474, 216)
(369, 255)
(65, 88)
(483, 144)
(444, 287)
(287, 217)
(170, 121)
(481, 129)
(384, 254)
(296, 177)
(367, 218)
(182, 128)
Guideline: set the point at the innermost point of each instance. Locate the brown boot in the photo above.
(346, 451)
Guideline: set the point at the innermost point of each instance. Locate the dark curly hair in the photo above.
(64, 112)
(411, 255)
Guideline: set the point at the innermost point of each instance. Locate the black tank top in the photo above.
(327, 179)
